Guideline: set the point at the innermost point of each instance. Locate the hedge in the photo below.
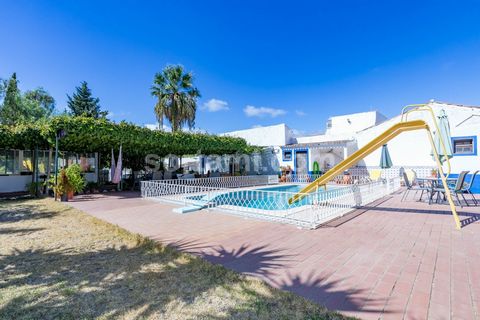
(100, 135)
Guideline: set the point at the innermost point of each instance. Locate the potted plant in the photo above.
(76, 182)
(69, 182)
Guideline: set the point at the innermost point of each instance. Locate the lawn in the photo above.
(57, 262)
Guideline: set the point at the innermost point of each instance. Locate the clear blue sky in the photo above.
(301, 61)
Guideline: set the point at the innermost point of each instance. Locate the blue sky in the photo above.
(268, 62)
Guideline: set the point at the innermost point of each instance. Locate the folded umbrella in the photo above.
(385, 160)
(443, 136)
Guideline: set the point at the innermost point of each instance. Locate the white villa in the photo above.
(347, 133)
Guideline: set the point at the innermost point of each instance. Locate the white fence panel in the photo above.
(310, 212)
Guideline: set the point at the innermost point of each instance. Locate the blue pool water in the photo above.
(275, 198)
(286, 188)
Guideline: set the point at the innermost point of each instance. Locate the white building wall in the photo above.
(413, 148)
(345, 127)
(351, 123)
(14, 183)
(277, 135)
(326, 138)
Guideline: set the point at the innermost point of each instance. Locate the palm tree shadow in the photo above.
(321, 291)
(327, 293)
(262, 262)
(116, 280)
(256, 261)
(251, 260)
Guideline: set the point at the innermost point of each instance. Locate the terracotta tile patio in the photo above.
(393, 261)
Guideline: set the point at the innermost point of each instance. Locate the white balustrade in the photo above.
(235, 195)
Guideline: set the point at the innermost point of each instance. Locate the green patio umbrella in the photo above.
(385, 160)
(444, 128)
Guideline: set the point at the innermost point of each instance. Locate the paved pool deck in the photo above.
(394, 260)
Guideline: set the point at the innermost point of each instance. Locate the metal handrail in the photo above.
(425, 107)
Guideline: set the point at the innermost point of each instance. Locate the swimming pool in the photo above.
(267, 199)
(271, 198)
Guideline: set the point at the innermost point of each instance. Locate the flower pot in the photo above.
(64, 198)
(70, 195)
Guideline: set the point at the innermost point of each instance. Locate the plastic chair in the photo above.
(468, 187)
(411, 187)
(457, 190)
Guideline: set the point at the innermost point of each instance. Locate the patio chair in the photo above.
(457, 190)
(411, 187)
(468, 187)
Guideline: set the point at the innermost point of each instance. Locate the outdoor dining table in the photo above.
(432, 183)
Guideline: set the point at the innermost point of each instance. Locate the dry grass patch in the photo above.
(57, 262)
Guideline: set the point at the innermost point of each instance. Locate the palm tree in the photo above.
(177, 97)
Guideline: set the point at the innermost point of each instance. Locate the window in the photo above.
(287, 155)
(26, 162)
(14, 162)
(43, 161)
(9, 161)
(87, 162)
(464, 146)
(329, 123)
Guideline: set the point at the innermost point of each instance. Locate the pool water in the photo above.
(287, 188)
(274, 198)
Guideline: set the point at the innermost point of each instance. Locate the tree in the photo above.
(82, 103)
(12, 111)
(177, 97)
(22, 108)
(38, 103)
(3, 88)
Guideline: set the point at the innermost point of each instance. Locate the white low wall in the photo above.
(14, 183)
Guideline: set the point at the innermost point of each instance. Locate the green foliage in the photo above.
(76, 182)
(32, 187)
(69, 180)
(40, 103)
(12, 106)
(82, 103)
(3, 88)
(100, 135)
(19, 108)
(60, 188)
(23, 136)
(177, 97)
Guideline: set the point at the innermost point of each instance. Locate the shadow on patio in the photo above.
(143, 281)
(115, 195)
(470, 217)
(262, 262)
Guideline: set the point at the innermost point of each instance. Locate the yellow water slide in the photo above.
(370, 147)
